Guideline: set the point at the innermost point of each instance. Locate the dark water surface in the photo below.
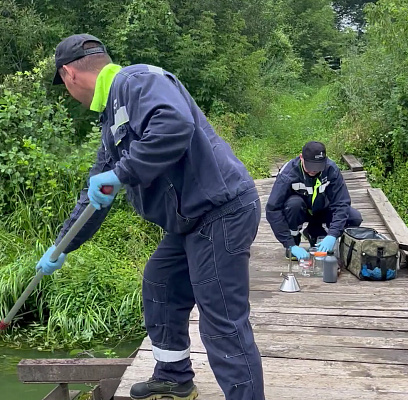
(12, 389)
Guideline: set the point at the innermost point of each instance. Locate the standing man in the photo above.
(310, 188)
(179, 174)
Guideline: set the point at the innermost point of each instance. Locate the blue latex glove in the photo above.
(96, 197)
(47, 267)
(299, 252)
(326, 244)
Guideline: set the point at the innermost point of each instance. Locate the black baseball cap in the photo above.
(71, 49)
(314, 156)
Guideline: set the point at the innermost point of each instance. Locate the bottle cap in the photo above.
(320, 254)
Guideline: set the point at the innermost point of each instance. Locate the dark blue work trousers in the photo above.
(296, 213)
(207, 267)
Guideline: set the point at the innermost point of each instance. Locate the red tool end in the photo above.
(107, 189)
(3, 325)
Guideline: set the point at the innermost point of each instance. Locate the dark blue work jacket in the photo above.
(175, 168)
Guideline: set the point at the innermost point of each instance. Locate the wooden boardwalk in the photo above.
(340, 341)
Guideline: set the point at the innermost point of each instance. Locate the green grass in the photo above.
(285, 125)
(95, 297)
(298, 117)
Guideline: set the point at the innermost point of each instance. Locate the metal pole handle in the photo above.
(62, 245)
(66, 240)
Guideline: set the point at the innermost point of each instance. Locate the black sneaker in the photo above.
(154, 389)
(290, 256)
(312, 240)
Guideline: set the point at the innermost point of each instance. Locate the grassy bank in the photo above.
(95, 297)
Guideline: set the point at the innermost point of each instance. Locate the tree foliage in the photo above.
(351, 13)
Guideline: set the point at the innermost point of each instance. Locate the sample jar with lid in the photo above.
(312, 251)
(305, 267)
(318, 267)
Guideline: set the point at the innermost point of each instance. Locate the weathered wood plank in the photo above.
(329, 321)
(62, 392)
(75, 370)
(266, 281)
(346, 340)
(349, 312)
(352, 162)
(392, 220)
(285, 377)
(314, 340)
(106, 389)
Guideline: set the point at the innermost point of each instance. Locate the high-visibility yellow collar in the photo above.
(102, 86)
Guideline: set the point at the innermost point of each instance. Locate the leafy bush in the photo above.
(96, 296)
(253, 151)
(41, 171)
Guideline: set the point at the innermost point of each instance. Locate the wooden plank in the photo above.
(73, 394)
(329, 321)
(269, 337)
(351, 175)
(346, 283)
(106, 389)
(61, 392)
(260, 282)
(300, 344)
(352, 162)
(327, 300)
(293, 379)
(314, 341)
(332, 311)
(75, 370)
(393, 222)
(352, 185)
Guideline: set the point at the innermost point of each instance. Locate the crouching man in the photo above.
(310, 188)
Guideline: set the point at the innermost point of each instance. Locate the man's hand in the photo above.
(326, 244)
(96, 197)
(47, 267)
(299, 252)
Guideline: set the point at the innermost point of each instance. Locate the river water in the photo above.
(12, 389)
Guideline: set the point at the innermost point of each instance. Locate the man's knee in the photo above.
(295, 204)
(295, 211)
(355, 218)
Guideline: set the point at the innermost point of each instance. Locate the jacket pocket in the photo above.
(176, 223)
(120, 134)
(240, 228)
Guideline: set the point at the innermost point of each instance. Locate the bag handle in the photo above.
(350, 252)
(381, 263)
